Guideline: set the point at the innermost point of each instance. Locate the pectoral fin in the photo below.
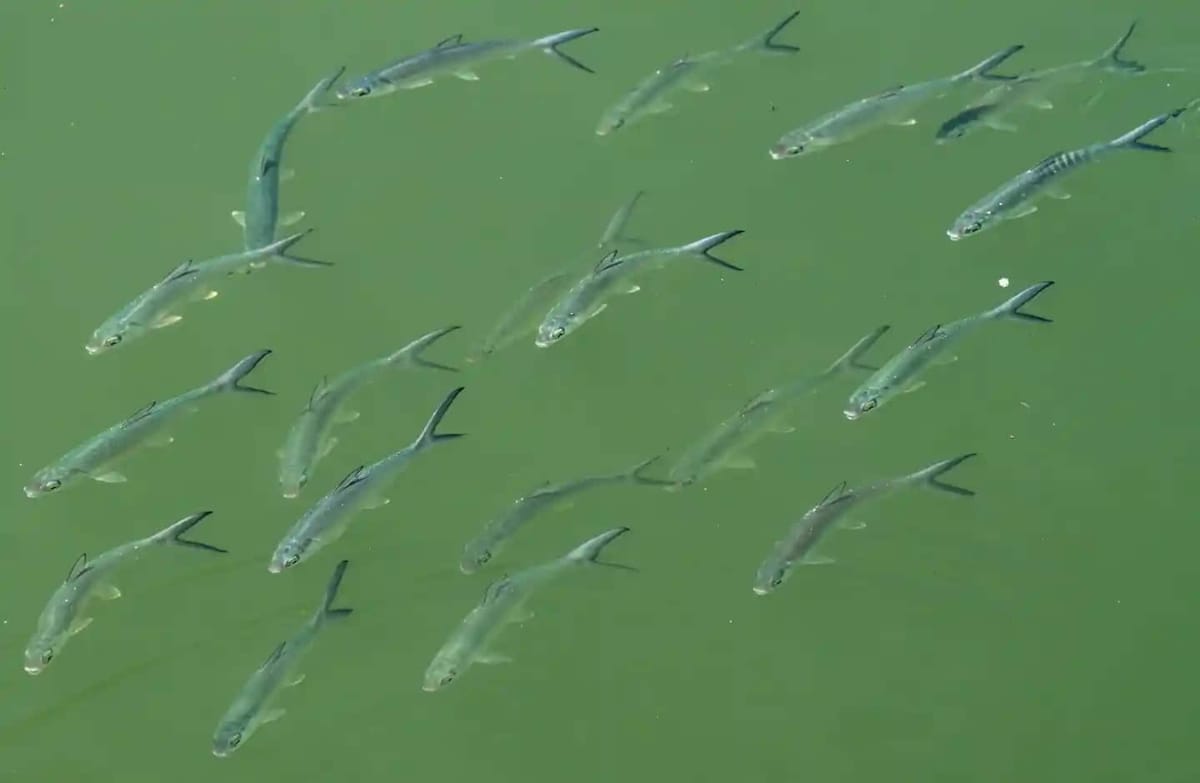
(165, 320)
(107, 592)
(1000, 126)
(492, 657)
(373, 503)
(912, 387)
(345, 417)
(111, 477)
(851, 524)
(299, 678)
(521, 616)
(467, 76)
(1040, 103)
(292, 219)
(780, 428)
(239, 217)
(327, 447)
(270, 716)
(906, 122)
(661, 107)
(160, 439)
(418, 83)
(696, 86)
(286, 174)
(814, 560)
(633, 289)
(738, 462)
(79, 624)
(1024, 211)
(1057, 193)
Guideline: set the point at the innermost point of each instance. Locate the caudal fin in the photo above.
(174, 534)
(550, 45)
(277, 251)
(853, 357)
(984, 69)
(704, 247)
(1133, 139)
(328, 611)
(430, 435)
(1012, 307)
(411, 353)
(589, 551)
(231, 379)
(932, 475)
(1112, 60)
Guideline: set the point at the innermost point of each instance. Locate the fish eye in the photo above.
(291, 561)
(448, 677)
(47, 656)
(235, 740)
(795, 150)
(360, 92)
(484, 557)
(777, 580)
(869, 404)
(558, 333)
(112, 340)
(51, 485)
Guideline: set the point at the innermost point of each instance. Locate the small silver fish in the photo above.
(481, 549)
(724, 446)
(328, 519)
(63, 617)
(261, 216)
(308, 441)
(891, 107)
(95, 457)
(191, 281)
(1016, 198)
(898, 375)
(649, 96)
(502, 604)
(588, 297)
(251, 708)
(457, 57)
(796, 547)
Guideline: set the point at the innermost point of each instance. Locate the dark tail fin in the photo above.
(932, 475)
(638, 475)
(411, 353)
(430, 435)
(550, 45)
(853, 357)
(174, 534)
(984, 69)
(703, 247)
(589, 551)
(231, 379)
(1012, 307)
(278, 250)
(767, 43)
(1133, 139)
(1111, 59)
(328, 611)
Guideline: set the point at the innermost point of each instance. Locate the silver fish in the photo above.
(63, 617)
(588, 297)
(261, 216)
(724, 446)
(308, 441)
(649, 96)
(502, 604)
(1016, 198)
(796, 547)
(898, 375)
(251, 708)
(192, 281)
(481, 549)
(891, 107)
(457, 57)
(95, 457)
(328, 519)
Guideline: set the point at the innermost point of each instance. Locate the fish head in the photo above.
(355, 89)
(862, 402)
(610, 124)
(556, 326)
(292, 477)
(440, 673)
(45, 481)
(792, 146)
(228, 738)
(951, 130)
(39, 653)
(771, 574)
(104, 339)
(289, 553)
(474, 557)
(968, 223)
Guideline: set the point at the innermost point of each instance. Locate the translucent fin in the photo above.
(781, 429)
(1025, 211)
(912, 387)
(467, 76)
(327, 447)
(521, 616)
(418, 83)
(166, 320)
(239, 217)
(299, 678)
(79, 624)
(286, 174)
(814, 560)
(491, 657)
(661, 107)
(111, 477)
(207, 295)
(851, 524)
(374, 503)
(293, 218)
(907, 122)
(160, 439)
(107, 592)
(633, 289)
(1040, 103)
(345, 417)
(739, 462)
(1057, 193)
(696, 86)
(270, 716)
(1007, 127)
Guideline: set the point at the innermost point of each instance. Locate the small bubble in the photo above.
(1003, 282)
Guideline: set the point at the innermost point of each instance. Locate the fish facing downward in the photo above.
(504, 603)
(95, 457)
(252, 707)
(1016, 198)
(63, 617)
(899, 374)
(308, 440)
(361, 489)
(457, 57)
(796, 547)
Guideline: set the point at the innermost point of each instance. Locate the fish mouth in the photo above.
(954, 235)
(851, 414)
(31, 492)
(761, 591)
(275, 568)
(32, 669)
(92, 349)
(291, 493)
(776, 154)
(428, 688)
(220, 752)
(542, 343)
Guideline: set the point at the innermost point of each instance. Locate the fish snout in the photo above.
(275, 567)
(34, 668)
(851, 413)
(954, 235)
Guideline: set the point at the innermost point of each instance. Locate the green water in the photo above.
(1039, 631)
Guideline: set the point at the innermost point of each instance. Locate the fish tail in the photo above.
(430, 435)
(638, 474)
(411, 353)
(278, 250)
(1133, 139)
(231, 379)
(984, 69)
(1012, 307)
(1112, 60)
(767, 43)
(932, 475)
(550, 45)
(853, 357)
(589, 551)
(328, 611)
(703, 247)
(174, 534)
(312, 101)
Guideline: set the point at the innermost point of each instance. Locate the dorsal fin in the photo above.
(889, 92)
(183, 270)
(1048, 162)
(275, 655)
(140, 414)
(78, 568)
(927, 335)
(318, 391)
(453, 40)
(608, 262)
(352, 478)
(496, 589)
(836, 492)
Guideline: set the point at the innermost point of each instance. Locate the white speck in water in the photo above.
(1003, 282)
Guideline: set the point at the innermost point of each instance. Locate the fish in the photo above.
(252, 707)
(309, 440)
(504, 603)
(1016, 198)
(456, 57)
(649, 96)
(899, 374)
(587, 298)
(724, 446)
(481, 549)
(328, 519)
(261, 216)
(890, 107)
(1031, 90)
(63, 616)
(796, 547)
(95, 457)
(192, 281)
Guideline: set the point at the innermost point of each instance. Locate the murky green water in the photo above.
(1040, 631)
